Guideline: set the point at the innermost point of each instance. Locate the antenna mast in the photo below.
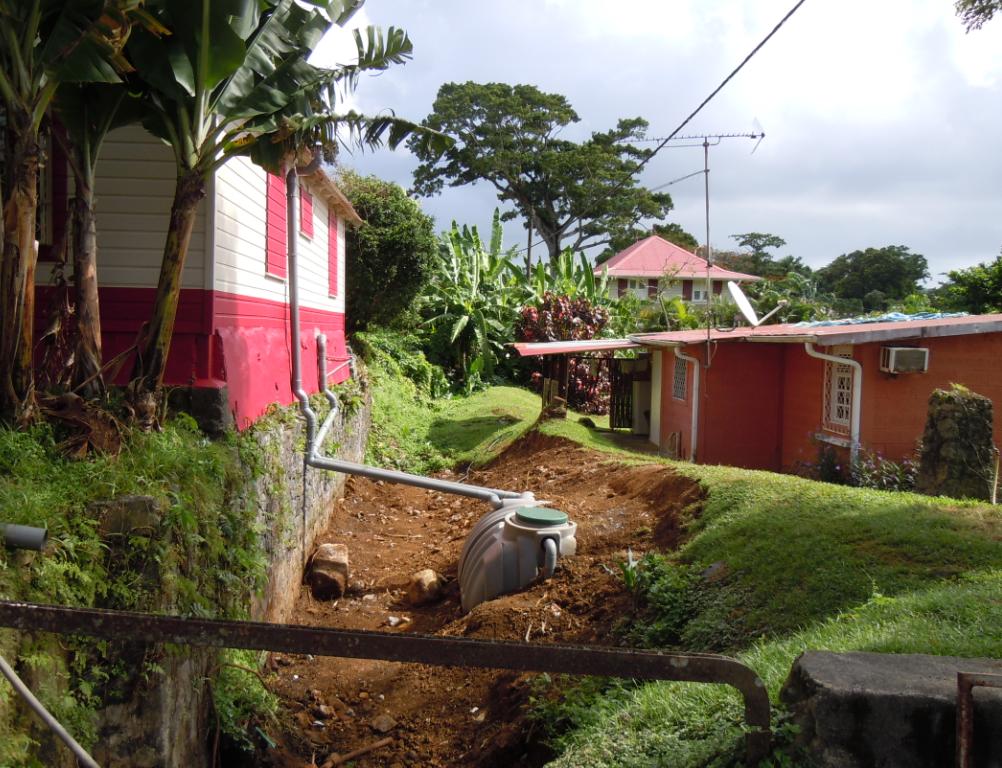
(706, 141)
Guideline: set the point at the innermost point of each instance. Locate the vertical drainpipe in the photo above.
(857, 394)
(694, 439)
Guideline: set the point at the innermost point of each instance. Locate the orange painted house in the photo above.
(773, 395)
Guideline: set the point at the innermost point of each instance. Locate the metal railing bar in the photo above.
(421, 649)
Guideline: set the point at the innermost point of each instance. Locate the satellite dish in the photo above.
(746, 308)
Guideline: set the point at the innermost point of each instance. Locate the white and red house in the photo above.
(654, 265)
(232, 328)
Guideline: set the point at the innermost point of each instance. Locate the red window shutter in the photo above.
(652, 287)
(687, 290)
(331, 252)
(718, 287)
(621, 286)
(305, 212)
(277, 227)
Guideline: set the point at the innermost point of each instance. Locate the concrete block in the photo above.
(889, 710)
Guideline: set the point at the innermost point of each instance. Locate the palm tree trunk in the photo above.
(17, 279)
(87, 357)
(154, 343)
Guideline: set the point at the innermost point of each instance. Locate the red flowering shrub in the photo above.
(560, 318)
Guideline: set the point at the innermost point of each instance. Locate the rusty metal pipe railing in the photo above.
(966, 683)
(421, 649)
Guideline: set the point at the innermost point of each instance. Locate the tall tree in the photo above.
(977, 289)
(390, 257)
(576, 194)
(756, 258)
(44, 43)
(233, 79)
(893, 271)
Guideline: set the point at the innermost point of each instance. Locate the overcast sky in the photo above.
(883, 119)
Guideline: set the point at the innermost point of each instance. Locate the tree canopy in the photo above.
(974, 13)
(756, 259)
(579, 194)
(387, 259)
(977, 289)
(874, 276)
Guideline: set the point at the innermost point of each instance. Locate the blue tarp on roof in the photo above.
(889, 317)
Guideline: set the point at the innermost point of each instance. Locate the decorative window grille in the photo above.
(837, 416)
(678, 382)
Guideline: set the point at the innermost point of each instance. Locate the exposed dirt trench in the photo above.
(446, 716)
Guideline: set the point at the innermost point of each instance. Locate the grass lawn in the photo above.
(808, 565)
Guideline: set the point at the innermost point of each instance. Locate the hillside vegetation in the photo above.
(797, 565)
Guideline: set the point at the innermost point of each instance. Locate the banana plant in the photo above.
(474, 295)
(85, 114)
(572, 276)
(43, 43)
(233, 79)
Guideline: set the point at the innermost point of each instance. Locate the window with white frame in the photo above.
(837, 395)
(678, 381)
(698, 294)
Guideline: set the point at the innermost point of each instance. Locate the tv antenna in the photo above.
(706, 141)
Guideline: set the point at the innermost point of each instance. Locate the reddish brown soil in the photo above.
(446, 716)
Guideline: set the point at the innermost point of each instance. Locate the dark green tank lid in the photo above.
(540, 516)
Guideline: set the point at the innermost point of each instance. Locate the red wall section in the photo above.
(254, 338)
(222, 338)
(741, 407)
(124, 310)
(676, 415)
(803, 382)
(894, 407)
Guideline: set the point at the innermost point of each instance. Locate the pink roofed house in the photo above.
(639, 268)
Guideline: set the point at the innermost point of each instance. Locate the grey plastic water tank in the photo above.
(511, 547)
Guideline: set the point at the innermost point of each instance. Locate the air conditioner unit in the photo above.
(904, 359)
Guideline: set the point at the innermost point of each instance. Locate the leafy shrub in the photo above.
(561, 318)
(389, 258)
(401, 353)
(871, 470)
(470, 305)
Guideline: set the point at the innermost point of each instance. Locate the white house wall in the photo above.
(240, 243)
(133, 193)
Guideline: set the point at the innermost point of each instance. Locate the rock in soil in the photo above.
(328, 573)
(383, 723)
(425, 587)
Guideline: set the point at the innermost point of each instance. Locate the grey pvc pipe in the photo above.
(23, 536)
(54, 725)
(313, 457)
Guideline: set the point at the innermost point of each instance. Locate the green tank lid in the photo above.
(540, 516)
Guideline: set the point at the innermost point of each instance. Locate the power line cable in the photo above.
(697, 110)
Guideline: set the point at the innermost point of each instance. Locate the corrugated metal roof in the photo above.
(656, 257)
(828, 335)
(528, 349)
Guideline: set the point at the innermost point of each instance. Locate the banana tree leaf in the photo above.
(288, 35)
(75, 41)
(458, 327)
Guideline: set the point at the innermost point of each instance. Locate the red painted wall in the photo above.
(221, 338)
(741, 407)
(803, 384)
(676, 415)
(894, 407)
(254, 337)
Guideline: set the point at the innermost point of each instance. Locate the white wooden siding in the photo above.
(133, 194)
(241, 205)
